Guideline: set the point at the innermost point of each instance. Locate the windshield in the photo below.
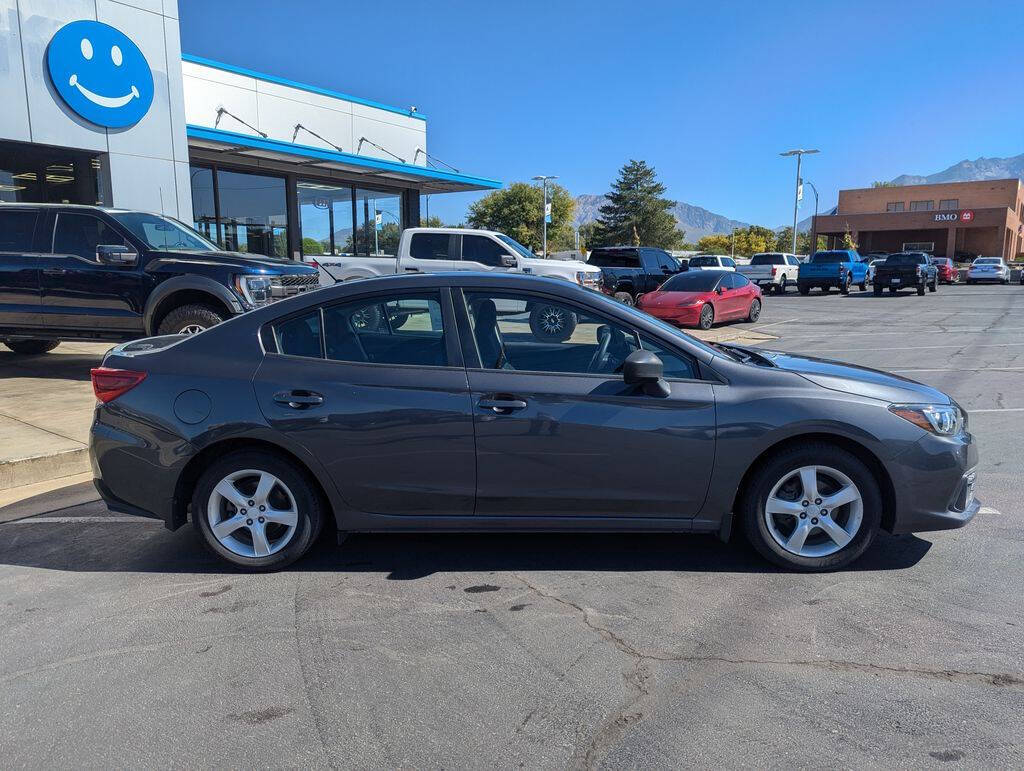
(830, 257)
(767, 259)
(987, 261)
(700, 262)
(697, 281)
(523, 251)
(162, 233)
(906, 259)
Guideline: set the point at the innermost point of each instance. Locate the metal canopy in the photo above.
(232, 144)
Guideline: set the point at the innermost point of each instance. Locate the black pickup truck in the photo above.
(906, 270)
(630, 271)
(92, 273)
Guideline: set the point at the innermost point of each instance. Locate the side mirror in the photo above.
(508, 261)
(115, 254)
(644, 369)
(718, 289)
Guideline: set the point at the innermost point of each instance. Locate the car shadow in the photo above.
(146, 547)
(48, 366)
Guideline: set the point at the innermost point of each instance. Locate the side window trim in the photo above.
(109, 225)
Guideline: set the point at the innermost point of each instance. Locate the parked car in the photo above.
(712, 262)
(988, 269)
(872, 266)
(772, 269)
(435, 250)
(91, 273)
(948, 271)
(296, 417)
(833, 268)
(702, 298)
(628, 271)
(906, 270)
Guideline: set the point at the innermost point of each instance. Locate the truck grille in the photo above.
(286, 286)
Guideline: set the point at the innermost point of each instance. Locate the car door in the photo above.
(733, 297)
(431, 253)
(19, 269)
(375, 388)
(559, 434)
(78, 292)
(485, 253)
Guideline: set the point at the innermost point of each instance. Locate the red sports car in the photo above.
(948, 272)
(699, 298)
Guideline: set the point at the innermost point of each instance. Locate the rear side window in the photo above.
(738, 280)
(482, 249)
(300, 336)
(16, 228)
(728, 262)
(429, 246)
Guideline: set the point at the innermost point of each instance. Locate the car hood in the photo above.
(251, 263)
(539, 263)
(852, 379)
(672, 299)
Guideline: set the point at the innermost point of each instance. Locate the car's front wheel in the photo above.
(31, 347)
(707, 317)
(812, 507)
(256, 510)
(624, 297)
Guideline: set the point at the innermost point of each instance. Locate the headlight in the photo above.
(255, 289)
(583, 277)
(941, 419)
(693, 304)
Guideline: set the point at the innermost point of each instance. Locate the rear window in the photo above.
(703, 262)
(906, 259)
(615, 258)
(826, 257)
(16, 230)
(697, 281)
(987, 261)
(768, 259)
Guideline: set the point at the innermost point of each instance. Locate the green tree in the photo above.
(636, 212)
(879, 183)
(313, 246)
(432, 222)
(784, 241)
(518, 211)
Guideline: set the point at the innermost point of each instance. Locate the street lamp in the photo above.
(796, 196)
(814, 222)
(544, 218)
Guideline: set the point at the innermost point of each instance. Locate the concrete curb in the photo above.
(42, 468)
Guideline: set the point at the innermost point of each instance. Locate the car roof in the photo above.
(91, 207)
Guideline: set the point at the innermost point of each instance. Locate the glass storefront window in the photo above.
(378, 222)
(204, 209)
(39, 174)
(325, 218)
(253, 213)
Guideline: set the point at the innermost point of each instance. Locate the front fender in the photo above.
(190, 282)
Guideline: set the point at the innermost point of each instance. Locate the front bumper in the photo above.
(934, 483)
(682, 317)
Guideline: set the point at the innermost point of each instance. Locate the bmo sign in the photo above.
(951, 216)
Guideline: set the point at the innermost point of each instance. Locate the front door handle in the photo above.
(299, 400)
(54, 271)
(501, 406)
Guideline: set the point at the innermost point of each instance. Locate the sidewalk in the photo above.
(46, 407)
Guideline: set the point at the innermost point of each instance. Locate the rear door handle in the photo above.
(501, 406)
(54, 271)
(299, 400)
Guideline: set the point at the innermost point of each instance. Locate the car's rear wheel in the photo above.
(755, 310)
(863, 285)
(826, 289)
(190, 320)
(844, 286)
(552, 323)
(934, 286)
(803, 289)
(877, 289)
(624, 297)
(707, 317)
(256, 510)
(781, 287)
(812, 507)
(31, 347)
(920, 289)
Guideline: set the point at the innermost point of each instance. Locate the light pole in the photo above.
(814, 222)
(544, 216)
(796, 195)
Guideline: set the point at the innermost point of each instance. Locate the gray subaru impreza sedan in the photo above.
(428, 402)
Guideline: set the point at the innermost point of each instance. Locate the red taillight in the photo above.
(774, 269)
(109, 383)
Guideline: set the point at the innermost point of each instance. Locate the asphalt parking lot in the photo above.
(122, 642)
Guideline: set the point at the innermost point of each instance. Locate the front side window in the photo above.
(16, 229)
(158, 232)
(80, 234)
(677, 365)
(533, 334)
(483, 250)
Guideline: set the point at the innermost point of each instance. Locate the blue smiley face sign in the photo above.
(100, 74)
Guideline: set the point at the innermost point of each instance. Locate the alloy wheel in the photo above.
(252, 513)
(551, 320)
(814, 511)
(191, 329)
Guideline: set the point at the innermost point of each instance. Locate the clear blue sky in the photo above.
(707, 92)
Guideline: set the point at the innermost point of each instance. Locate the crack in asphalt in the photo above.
(632, 711)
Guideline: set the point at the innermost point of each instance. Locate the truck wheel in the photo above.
(624, 297)
(826, 289)
(552, 323)
(31, 347)
(803, 289)
(844, 285)
(920, 289)
(780, 288)
(190, 320)
(894, 289)
(934, 286)
(877, 290)
(863, 285)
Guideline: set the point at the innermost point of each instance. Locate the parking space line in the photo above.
(909, 347)
(774, 323)
(947, 330)
(997, 409)
(962, 369)
(86, 520)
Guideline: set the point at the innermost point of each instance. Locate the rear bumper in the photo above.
(819, 281)
(934, 483)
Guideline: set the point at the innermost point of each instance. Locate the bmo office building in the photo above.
(99, 106)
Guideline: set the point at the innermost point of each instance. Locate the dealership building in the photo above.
(100, 106)
(955, 219)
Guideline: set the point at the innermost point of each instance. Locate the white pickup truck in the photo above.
(433, 250)
(775, 269)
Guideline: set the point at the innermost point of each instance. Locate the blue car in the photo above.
(833, 268)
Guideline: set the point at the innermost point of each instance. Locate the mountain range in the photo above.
(699, 222)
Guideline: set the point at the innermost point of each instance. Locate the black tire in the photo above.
(190, 317)
(970, 282)
(877, 289)
(368, 318)
(844, 286)
(624, 297)
(803, 289)
(31, 347)
(775, 468)
(552, 323)
(707, 317)
(755, 311)
(920, 289)
(863, 285)
(781, 287)
(934, 286)
(308, 505)
(894, 290)
(826, 289)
